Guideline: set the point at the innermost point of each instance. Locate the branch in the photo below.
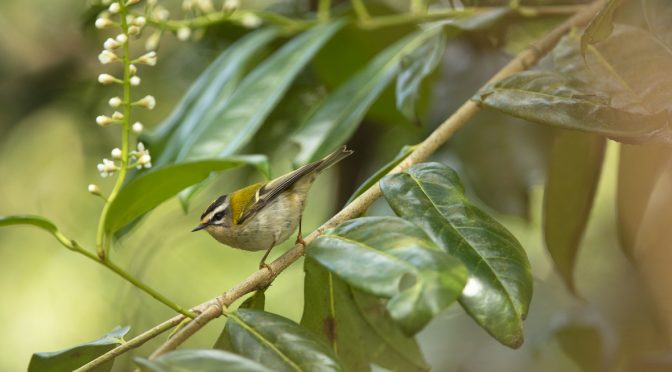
(262, 278)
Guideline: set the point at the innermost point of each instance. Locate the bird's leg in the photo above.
(262, 263)
(299, 237)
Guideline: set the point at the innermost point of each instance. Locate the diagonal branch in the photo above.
(262, 278)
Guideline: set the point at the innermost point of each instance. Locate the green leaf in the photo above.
(584, 338)
(499, 289)
(278, 343)
(380, 173)
(552, 99)
(200, 361)
(356, 325)
(574, 172)
(239, 117)
(639, 167)
(77, 356)
(415, 66)
(601, 26)
(418, 277)
(255, 302)
(210, 90)
(150, 189)
(341, 112)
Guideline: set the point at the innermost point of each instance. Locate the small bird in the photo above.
(262, 215)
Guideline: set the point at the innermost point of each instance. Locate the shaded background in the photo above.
(50, 144)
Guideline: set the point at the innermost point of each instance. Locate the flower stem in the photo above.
(103, 241)
(323, 9)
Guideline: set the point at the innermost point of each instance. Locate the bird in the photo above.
(263, 215)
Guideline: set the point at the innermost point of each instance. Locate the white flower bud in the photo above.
(94, 189)
(117, 115)
(132, 69)
(103, 23)
(205, 6)
(183, 33)
(100, 167)
(161, 13)
(250, 20)
(148, 102)
(152, 41)
(122, 38)
(135, 81)
(106, 57)
(148, 58)
(230, 5)
(114, 102)
(116, 153)
(111, 44)
(140, 21)
(103, 120)
(107, 79)
(144, 159)
(137, 127)
(133, 30)
(141, 147)
(114, 8)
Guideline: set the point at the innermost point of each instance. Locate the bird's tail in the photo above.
(333, 158)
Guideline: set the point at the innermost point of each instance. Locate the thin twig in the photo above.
(262, 278)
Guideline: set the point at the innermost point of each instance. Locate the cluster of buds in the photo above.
(115, 50)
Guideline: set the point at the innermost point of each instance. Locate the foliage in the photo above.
(373, 283)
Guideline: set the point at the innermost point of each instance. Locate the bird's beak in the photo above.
(200, 227)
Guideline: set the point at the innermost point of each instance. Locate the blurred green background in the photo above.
(49, 146)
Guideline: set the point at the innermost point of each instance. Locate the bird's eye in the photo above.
(218, 216)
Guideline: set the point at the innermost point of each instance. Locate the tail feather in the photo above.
(333, 158)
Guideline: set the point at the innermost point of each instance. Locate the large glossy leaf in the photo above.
(200, 361)
(342, 111)
(418, 277)
(278, 343)
(255, 302)
(239, 118)
(77, 356)
(356, 325)
(574, 172)
(553, 99)
(210, 90)
(638, 170)
(499, 289)
(415, 66)
(148, 190)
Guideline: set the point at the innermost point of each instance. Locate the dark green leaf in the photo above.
(341, 112)
(239, 117)
(418, 277)
(356, 325)
(601, 26)
(574, 172)
(639, 167)
(553, 99)
(75, 357)
(212, 88)
(415, 66)
(255, 302)
(150, 189)
(499, 289)
(200, 361)
(278, 343)
(380, 173)
(501, 158)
